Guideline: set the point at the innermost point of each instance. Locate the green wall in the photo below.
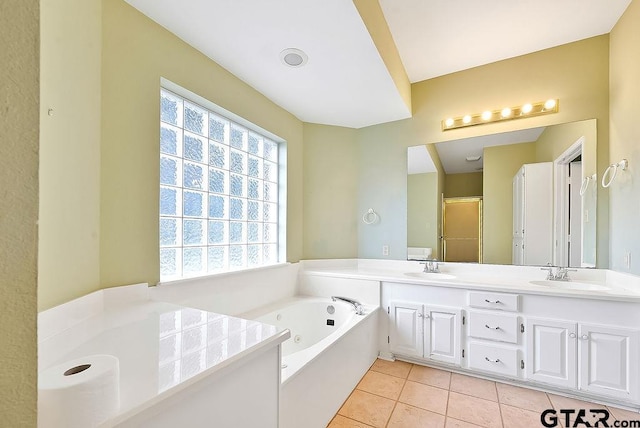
(463, 184)
(422, 210)
(69, 226)
(501, 163)
(19, 103)
(331, 191)
(625, 139)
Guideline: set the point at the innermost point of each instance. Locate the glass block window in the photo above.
(218, 192)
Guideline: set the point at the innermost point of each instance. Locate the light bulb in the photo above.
(506, 112)
(486, 115)
(549, 104)
(448, 122)
(526, 108)
(466, 119)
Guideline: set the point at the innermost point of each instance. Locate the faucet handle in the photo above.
(549, 270)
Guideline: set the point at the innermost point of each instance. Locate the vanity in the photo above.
(579, 337)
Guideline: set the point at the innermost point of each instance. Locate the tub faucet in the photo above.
(356, 305)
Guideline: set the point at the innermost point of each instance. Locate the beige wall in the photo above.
(459, 185)
(422, 210)
(69, 242)
(501, 163)
(576, 73)
(19, 103)
(331, 192)
(625, 139)
(136, 53)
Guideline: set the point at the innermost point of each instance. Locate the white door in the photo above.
(609, 361)
(575, 214)
(405, 334)
(551, 352)
(517, 253)
(518, 202)
(442, 334)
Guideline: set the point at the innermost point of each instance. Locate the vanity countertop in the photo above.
(162, 348)
(585, 283)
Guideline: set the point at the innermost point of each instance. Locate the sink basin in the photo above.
(571, 285)
(430, 275)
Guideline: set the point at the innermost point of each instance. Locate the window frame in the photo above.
(233, 119)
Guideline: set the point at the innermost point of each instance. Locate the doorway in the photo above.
(568, 207)
(462, 230)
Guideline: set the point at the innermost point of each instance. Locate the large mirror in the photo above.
(522, 197)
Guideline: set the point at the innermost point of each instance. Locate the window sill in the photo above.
(222, 274)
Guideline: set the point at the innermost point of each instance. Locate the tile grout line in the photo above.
(495, 385)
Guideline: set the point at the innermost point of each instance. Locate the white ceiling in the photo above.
(453, 154)
(419, 161)
(438, 37)
(345, 82)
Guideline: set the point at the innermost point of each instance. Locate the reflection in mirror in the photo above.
(485, 167)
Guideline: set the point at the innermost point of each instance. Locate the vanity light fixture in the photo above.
(508, 113)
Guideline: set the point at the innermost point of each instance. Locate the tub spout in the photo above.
(356, 305)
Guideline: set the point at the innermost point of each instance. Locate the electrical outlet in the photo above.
(385, 250)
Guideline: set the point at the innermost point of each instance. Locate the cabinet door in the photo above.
(405, 334)
(609, 361)
(442, 334)
(551, 352)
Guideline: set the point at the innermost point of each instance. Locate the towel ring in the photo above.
(585, 183)
(606, 180)
(370, 217)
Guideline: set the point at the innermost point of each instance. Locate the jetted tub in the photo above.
(329, 351)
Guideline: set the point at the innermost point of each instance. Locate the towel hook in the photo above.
(585, 183)
(606, 180)
(370, 217)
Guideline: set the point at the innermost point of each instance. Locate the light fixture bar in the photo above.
(490, 116)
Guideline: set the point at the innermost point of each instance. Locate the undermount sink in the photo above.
(430, 275)
(571, 285)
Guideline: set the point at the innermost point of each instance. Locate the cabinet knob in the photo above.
(572, 335)
(584, 337)
(420, 315)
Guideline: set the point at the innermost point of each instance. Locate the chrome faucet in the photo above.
(561, 274)
(431, 266)
(356, 305)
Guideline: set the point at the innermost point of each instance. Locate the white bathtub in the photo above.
(322, 363)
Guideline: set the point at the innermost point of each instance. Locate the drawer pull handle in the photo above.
(497, 360)
(492, 301)
(492, 328)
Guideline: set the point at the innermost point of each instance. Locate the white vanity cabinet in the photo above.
(594, 358)
(533, 214)
(425, 331)
(494, 333)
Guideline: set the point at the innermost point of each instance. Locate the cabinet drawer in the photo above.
(499, 301)
(493, 358)
(499, 327)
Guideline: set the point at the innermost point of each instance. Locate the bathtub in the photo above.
(329, 351)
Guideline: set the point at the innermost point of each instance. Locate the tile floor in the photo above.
(403, 395)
